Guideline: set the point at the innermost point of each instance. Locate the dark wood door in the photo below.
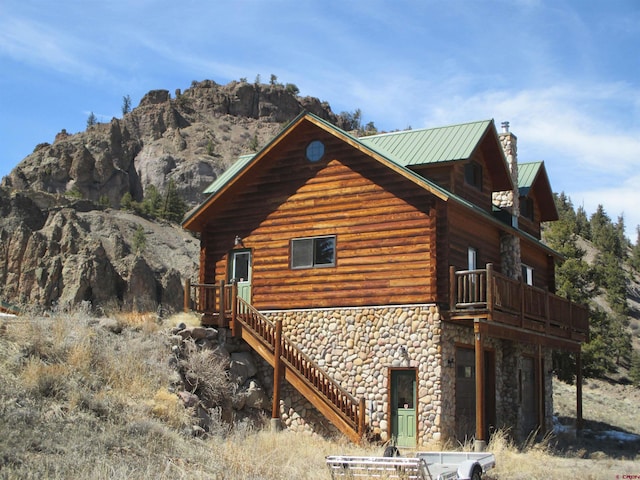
(528, 396)
(466, 392)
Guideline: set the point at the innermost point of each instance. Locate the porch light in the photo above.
(450, 362)
(238, 241)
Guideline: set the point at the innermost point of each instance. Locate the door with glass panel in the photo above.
(403, 407)
(240, 273)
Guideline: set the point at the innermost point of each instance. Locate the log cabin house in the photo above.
(396, 284)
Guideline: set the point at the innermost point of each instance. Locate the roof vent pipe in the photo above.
(505, 127)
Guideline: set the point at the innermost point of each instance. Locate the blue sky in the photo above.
(565, 74)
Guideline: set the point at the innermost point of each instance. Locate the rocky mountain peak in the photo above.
(189, 138)
(63, 237)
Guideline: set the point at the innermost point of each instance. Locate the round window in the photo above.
(315, 151)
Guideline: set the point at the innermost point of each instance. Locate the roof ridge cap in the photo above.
(415, 130)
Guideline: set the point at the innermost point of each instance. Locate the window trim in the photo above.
(472, 257)
(527, 274)
(313, 263)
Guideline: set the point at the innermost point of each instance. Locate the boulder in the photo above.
(242, 367)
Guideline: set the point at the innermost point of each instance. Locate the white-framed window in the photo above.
(527, 274)
(313, 252)
(472, 258)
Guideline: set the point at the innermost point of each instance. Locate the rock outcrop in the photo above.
(189, 139)
(53, 251)
(62, 237)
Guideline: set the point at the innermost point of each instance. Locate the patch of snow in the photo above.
(618, 436)
(615, 435)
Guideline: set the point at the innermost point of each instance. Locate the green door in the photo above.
(403, 407)
(240, 272)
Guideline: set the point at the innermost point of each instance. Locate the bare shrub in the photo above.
(43, 380)
(144, 321)
(205, 374)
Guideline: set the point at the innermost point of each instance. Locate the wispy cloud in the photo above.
(40, 45)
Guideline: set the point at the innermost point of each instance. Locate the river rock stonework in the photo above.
(509, 358)
(357, 346)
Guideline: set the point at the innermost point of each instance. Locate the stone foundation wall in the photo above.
(357, 346)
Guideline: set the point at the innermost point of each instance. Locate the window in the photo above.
(315, 151)
(472, 258)
(313, 252)
(240, 262)
(527, 274)
(473, 174)
(526, 207)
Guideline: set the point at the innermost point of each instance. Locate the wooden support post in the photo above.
(579, 420)
(222, 318)
(452, 288)
(547, 312)
(541, 399)
(522, 303)
(481, 441)
(277, 375)
(490, 292)
(361, 420)
(187, 295)
(235, 327)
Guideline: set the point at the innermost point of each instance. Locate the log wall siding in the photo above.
(471, 231)
(481, 197)
(443, 244)
(385, 244)
(532, 227)
(543, 266)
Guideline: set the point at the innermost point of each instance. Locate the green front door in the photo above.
(240, 273)
(403, 407)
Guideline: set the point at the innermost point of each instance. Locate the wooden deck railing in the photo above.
(222, 302)
(517, 303)
(214, 301)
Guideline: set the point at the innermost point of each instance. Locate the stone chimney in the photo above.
(510, 201)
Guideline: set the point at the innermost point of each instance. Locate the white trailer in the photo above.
(422, 466)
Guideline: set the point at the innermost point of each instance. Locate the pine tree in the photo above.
(635, 252)
(152, 202)
(126, 104)
(92, 120)
(139, 240)
(634, 371)
(582, 224)
(174, 206)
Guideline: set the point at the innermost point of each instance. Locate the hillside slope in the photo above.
(81, 399)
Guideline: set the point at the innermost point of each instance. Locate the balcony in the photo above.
(503, 301)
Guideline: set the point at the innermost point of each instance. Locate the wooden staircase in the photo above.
(265, 337)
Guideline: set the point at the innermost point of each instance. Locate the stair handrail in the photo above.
(349, 408)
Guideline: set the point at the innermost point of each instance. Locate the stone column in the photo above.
(510, 201)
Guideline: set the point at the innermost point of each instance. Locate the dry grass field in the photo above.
(81, 397)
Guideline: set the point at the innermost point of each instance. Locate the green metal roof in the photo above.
(527, 174)
(418, 147)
